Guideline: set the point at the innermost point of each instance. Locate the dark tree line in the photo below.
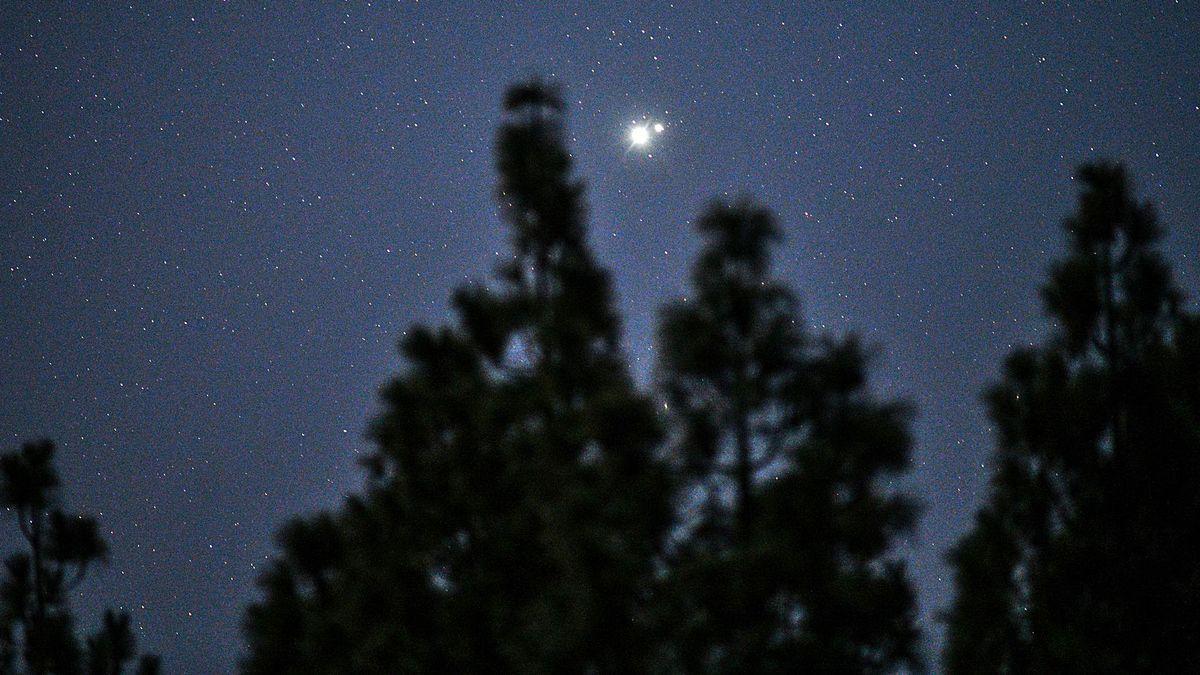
(529, 509)
(37, 628)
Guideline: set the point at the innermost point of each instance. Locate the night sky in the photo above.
(215, 222)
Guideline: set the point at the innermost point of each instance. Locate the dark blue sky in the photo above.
(216, 220)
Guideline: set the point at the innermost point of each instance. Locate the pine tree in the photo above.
(37, 628)
(1082, 559)
(514, 510)
(785, 564)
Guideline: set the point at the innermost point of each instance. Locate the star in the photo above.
(639, 135)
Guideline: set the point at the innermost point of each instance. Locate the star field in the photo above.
(217, 219)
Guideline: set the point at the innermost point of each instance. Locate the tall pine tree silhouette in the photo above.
(37, 627)
(786, 563)
(1083, 558)
(514, 510)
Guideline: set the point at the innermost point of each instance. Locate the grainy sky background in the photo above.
(216, 219)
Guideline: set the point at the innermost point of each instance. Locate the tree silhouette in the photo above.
(786, 564)
(514, 509)
(37, 628)
(1082, 559)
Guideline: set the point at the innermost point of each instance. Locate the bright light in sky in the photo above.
(640, 134)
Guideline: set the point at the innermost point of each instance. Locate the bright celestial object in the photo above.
(639, 135)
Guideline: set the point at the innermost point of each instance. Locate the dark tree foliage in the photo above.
(514, 511)
(1084, 557)
(785, 564)
(37, 629)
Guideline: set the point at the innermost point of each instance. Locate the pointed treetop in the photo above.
(1108, 211)
(27, 478)
(740, 234)
(533, 94)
